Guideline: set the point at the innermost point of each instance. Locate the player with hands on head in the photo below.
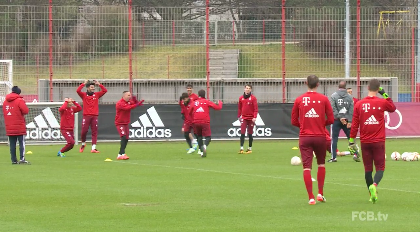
(90, 111)
(369, 116)
(67, 111)
(122, 119)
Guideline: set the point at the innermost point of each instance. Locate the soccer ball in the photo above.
(409, 158)
(295, 161)
(404, 156)
(395, 156)
(414, 156)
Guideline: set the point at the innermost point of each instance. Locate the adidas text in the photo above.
(146, 126)
(152, 132)
(43, 134)
(258, 132)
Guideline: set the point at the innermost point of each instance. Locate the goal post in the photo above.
(43, 124)
(6, 78)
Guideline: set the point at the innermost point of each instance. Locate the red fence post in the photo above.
(358, 48)
(283, 47)
(208, 47)
(130, 46)
(50, 47)
(413, 60)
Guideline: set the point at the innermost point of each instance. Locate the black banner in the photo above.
(164, 122)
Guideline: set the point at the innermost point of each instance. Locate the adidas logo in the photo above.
(41, 129)
(259, 129)
(149, 125)
(200, 110)
(343, 111)
(311, 114)
(371, 121)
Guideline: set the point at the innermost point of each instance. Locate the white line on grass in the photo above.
(256, 175)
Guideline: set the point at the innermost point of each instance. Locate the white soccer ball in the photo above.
(295, 161)
(414, 156)
(404, 156)
(396, 156)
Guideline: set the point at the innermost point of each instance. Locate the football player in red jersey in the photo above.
(122, 119)
(90, 111)
(67, 111)
(312, 112)
(369, 116)
(187, 127)
(200, 113)
(191, 97)
(247, 114)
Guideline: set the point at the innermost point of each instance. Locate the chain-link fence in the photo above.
(92, 42)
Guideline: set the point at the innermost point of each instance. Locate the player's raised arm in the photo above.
(295, 113)
(64, 106)
(215, 106)
(79, 89)
(78, 106)
(103, 89)
(389, 104)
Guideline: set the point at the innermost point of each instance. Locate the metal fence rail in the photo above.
(267, 90)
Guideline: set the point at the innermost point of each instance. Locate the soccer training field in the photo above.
(161, 188)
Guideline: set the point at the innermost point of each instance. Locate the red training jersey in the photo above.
(200, 110)
(123, 108)
(67, 115)
(91, 103)
(369, 115)
(312, 112)
(185, 112)
(247, 107)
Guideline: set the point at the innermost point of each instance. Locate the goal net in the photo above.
(42, 124)
(6, 78)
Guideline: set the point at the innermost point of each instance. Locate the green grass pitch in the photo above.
(161, 188)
